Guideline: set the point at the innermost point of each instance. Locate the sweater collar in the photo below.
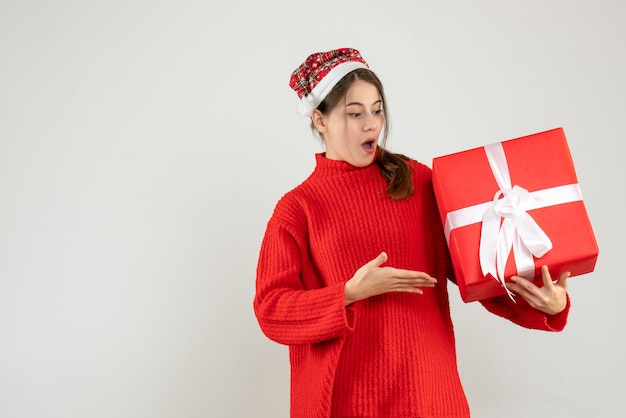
(328, 167)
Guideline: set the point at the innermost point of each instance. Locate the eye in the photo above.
(354, 115)
(378, 112)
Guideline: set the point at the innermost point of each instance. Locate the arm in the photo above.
(292, 312)
(544, 308)
(287, 312)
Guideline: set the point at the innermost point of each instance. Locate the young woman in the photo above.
(353, 266)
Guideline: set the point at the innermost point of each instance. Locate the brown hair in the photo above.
(393, 167)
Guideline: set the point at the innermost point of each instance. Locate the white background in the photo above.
(143, 145)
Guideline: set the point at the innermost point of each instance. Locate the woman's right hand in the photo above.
(371, 280)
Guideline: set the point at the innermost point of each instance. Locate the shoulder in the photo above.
(422, 174)
(418, 167)
(290, 208)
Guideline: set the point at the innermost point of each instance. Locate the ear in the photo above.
(319, 121)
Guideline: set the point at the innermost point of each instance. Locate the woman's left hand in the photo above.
(550, 299)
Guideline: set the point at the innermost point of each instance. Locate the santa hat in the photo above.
(319, 73)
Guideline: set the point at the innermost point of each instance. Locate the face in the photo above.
(351, 129)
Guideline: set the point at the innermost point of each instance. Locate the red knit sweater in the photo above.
(391, 355)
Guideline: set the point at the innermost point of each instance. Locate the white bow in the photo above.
(507, 226)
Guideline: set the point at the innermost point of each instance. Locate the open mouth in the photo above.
(369, 145)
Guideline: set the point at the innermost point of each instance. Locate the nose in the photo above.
(370, 123)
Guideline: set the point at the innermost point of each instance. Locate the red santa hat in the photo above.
(319, 73)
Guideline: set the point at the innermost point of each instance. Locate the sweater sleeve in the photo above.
(288, 311)
(521, 313)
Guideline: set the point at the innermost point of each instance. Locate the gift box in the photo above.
(510, 207)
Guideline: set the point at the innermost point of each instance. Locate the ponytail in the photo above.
(395, 169)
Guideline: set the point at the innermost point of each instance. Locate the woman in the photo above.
(353, 266)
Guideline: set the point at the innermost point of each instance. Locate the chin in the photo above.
(363, 162)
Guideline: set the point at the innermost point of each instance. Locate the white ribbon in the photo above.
(506, 225)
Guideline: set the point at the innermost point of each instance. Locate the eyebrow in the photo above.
(361, 104)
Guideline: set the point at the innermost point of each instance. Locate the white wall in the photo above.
(143, 145)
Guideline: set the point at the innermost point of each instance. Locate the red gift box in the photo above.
(510, 207)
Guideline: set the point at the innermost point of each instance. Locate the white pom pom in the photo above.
(306, 106)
